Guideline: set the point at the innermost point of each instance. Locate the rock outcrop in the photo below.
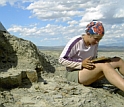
(17, 56)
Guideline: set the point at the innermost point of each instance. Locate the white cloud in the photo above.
(119, 13)
(11, 2)
(3, 2)
(48, 30)
(73, 22)
(54, 9)
(69, 18)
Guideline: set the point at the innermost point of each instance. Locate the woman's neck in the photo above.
(85, 40)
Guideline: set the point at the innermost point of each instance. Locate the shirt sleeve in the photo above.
(66, 55)
(70, 64)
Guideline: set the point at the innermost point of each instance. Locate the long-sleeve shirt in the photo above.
(75, 52)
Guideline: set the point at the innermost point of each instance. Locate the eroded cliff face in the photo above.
(17, 53)
(16, 57)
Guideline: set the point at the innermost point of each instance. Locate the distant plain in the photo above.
(107, 51)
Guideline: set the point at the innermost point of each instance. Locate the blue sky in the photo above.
(54, 22)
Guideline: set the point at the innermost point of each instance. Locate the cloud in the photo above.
(3, 2)
(11, 2)
(48, 30)
(62, 10)
(55, 9)
(68, 18)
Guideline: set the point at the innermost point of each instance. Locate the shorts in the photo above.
(72, 76)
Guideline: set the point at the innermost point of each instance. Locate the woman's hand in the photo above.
(87, 63)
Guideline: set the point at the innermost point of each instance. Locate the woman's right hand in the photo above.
(87, 63)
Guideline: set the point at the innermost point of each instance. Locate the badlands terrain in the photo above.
(53, 90)
(21, 62)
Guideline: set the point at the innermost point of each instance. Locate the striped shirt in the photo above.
(75, 52)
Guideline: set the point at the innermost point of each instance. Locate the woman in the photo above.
(77, 56)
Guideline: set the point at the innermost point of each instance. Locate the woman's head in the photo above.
(95, 28)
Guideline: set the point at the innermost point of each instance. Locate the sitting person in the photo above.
(77, 56)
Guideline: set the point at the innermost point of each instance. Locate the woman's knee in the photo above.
(116, 59)
(117, 62)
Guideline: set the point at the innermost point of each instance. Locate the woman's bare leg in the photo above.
(86, 77)
(118, 63)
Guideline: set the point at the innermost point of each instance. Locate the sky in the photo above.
(55, 22)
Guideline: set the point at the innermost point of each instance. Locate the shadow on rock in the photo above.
(1, 105)
(120, 92)
(8, 57)
(47, 63)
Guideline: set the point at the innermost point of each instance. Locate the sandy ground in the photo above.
(53, 90)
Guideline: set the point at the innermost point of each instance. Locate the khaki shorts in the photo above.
(72, 75)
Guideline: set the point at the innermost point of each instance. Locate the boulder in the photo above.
(17, 56)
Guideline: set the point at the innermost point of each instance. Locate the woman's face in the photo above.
(95, 39)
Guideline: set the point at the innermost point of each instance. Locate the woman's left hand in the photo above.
(87, 63)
